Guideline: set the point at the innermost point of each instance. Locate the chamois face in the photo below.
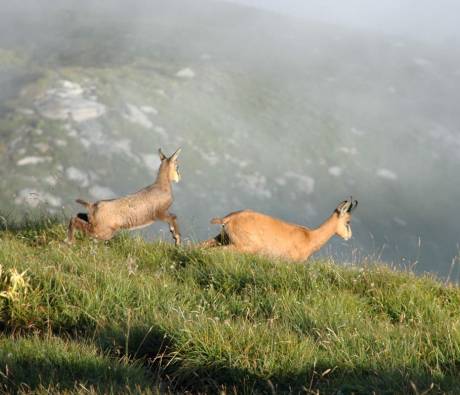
(174, 174)
(343, 227)
(172, 167)
(343, 211)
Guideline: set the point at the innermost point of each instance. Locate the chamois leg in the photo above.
(70, 232)
(77, 223)
(209, 243)
(220, 240)
(171, 220)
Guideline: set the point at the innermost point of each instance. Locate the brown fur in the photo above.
(140, 209)
(252, 232)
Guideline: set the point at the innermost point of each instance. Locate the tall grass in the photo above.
(131, 316)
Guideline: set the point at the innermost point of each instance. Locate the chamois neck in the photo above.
(162, 179)
(324, 232)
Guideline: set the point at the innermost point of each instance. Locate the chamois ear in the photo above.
(175, 155)
(162, 156)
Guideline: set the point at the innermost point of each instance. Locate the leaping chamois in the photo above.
(134, 211)
(252, 232)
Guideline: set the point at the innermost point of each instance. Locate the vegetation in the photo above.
(128, 316)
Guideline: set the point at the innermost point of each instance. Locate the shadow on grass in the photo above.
(159, 353)
(29, 365)
(212, 378)
(151, 344)
(108, 375)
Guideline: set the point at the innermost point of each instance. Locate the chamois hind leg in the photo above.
(171, 220)
(209, 243)
(80, 223)
(220, 240)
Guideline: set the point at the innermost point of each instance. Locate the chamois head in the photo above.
(343, 212)
(170, 166)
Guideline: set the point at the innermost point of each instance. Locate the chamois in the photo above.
(134, 211)
(252, 232)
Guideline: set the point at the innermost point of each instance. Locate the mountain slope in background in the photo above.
(273, 114)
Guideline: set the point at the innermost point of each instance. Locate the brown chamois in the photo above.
(252, 232)
(134, 211)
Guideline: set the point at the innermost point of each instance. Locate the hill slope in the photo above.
(128, 316)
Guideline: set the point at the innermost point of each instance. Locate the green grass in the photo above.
(129, 316)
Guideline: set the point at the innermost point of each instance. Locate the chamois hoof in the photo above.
(68, 241)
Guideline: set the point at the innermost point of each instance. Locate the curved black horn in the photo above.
(349, 204)
(162, 156)
(353, 206)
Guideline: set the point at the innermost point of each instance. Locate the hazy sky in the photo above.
(426, 20)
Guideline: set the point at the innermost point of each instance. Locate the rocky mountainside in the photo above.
(275, 114)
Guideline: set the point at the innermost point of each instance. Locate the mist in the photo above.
(286, 111)
(427, 21)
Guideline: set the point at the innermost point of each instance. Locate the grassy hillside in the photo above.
(129, 316)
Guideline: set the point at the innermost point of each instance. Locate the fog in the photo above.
(284, 114)
(435, 22)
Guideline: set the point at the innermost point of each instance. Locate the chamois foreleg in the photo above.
(171, 220)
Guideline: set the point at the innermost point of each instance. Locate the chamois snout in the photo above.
(343, 212)
(176, 177)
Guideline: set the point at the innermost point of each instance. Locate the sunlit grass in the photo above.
(128, 315)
